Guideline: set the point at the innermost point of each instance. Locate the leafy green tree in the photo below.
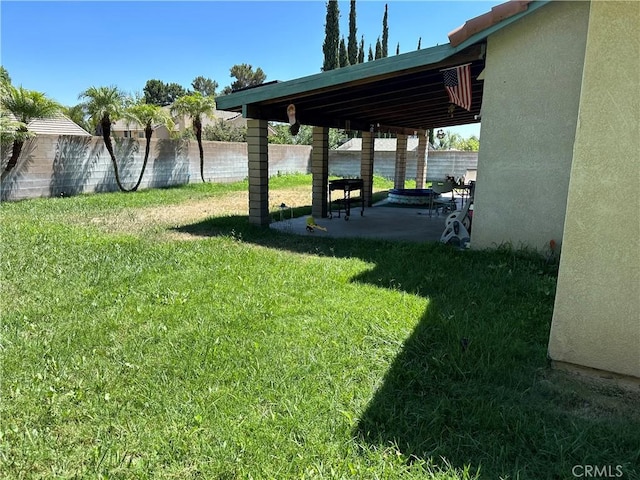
(195, 106)
(332, 37)
(78, 115)
(352, 47)
(448, 141)
(25, 105)
(156, 92)
(385, 33)
(149, 116)
(105, 105)
(471, 144)
(283, 135)
(305, 136)
(5, 79)
(222, 131)
(245, 77)
(343, 57)
(205, 86)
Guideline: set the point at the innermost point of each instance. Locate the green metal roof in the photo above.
(402, 93)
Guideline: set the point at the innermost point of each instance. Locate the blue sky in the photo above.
(62, 48)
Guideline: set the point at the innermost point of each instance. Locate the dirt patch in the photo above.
(160, 220)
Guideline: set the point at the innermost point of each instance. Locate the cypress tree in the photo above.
(370, 57)
(332, 36)
(352, 47)
(378, 49)
(361, 51)
(398, 49)
(343, 57)
(385, 34)
(419, 42)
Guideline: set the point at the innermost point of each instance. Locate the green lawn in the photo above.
(220, 350)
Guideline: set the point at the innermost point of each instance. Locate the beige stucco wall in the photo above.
(529, 109)
(596, 320)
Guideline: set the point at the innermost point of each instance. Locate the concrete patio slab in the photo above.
(382, 221)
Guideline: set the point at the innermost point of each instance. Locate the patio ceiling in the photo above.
(400, 94)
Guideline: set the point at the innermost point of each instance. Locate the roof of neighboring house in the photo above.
(58, 125)
(125, 125)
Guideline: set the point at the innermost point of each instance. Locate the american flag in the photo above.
(457, 82)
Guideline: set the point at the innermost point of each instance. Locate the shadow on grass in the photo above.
(471, 385)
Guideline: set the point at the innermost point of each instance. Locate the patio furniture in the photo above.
(439, 202)
(458, 223)
(347, 185)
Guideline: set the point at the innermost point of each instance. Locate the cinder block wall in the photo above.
(440, 163)
(53, 165)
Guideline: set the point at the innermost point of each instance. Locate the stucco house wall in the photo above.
(530, 103)
(596, 320)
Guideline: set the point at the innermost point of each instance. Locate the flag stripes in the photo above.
(457, 82)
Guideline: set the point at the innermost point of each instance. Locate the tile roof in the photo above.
(486, 20)
(58, 125)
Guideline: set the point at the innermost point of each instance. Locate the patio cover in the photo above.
(399, 94)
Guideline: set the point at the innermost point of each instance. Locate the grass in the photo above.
(240, 352)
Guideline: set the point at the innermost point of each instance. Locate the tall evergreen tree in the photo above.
(378, 49)
(370, 57)
(332, 36)
(352, 46)
(419, 42)
(361, 51)
(343, 57)
(398, 49)
(385, 34)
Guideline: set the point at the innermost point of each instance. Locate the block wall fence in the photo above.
(51, 165)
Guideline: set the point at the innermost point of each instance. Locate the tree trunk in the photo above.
(148, 131)
(15, 154)
(106, 136)
(197, 126)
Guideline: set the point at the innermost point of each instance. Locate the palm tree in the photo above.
(195, 106)
(77, 116)
(25, 105)
(147, 115)
(104, 105)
